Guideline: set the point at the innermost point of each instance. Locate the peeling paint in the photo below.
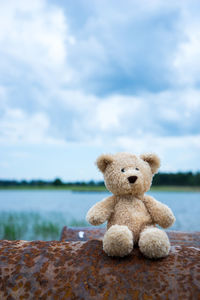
(81, 234)
(90, 233)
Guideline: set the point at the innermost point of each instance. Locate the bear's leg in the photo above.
(118, 241)
(154, 243)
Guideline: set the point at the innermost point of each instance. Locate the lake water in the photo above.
(68, 208)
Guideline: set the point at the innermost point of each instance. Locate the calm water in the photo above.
(67, 205)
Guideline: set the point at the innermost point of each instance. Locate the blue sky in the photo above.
(81, 78)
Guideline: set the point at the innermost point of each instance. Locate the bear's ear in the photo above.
(103, 161)
(153, 160)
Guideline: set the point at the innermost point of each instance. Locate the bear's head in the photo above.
(126, 173)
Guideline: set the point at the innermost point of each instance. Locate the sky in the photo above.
(86, 77)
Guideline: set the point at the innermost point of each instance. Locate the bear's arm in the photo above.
(101, 211)
(160, 213)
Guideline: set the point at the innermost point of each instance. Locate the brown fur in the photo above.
(131, 214)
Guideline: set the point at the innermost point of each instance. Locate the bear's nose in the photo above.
(132, 179)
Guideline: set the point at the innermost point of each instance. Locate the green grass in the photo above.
(12, 226)
(75, 188)
(46, 229)
(88, 188)
(175, 188)
(34, 226)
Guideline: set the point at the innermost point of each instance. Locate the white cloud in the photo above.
(177, 153)
(186, 62)
(2, 92)
(38, 42)
(153, 113)
(17, 127)
(125, 78)
(33, 41)
(72, 115)
(109, 112)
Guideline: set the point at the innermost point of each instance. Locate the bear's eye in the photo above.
(123, 170)
(137, 169)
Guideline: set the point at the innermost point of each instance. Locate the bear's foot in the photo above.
(154, 243)
(118, 241)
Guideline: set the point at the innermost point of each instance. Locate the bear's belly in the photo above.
(132, 214)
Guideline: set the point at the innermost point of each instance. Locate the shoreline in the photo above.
(77, 188)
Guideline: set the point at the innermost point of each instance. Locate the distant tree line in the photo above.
(160, 179)
(177, 179)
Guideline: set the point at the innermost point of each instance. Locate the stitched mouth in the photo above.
(132, 179)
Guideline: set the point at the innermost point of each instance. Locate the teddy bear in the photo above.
(131, 215)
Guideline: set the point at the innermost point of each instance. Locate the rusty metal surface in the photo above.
(81, 233)
(81, 270)
(90, 233)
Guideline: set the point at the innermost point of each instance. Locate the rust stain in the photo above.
(75, 269)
